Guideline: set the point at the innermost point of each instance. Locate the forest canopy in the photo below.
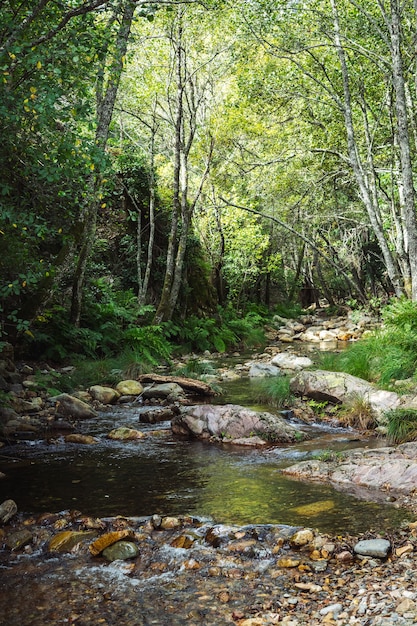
(173, 161)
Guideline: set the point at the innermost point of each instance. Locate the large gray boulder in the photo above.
(340, 388)
(231, 421)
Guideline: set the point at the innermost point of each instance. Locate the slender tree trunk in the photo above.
(163, 312)
(104, 116)
(390, 263)
(404, 142)
(143, 285)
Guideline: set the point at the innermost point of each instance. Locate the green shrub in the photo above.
(149, 343)
(401, 314)
(274, 391)
(401, 425)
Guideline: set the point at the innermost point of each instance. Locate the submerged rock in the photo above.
(233, 422)
(125, 434)
(79, 438)
(263, 370)
(121, 551)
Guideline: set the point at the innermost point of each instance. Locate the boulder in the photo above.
(129, 388)
(68, 406)
(233, 422)
(163, 391)
(263, 370)
(383, 469)
(288, 361)
(104, 395)
(339, 388)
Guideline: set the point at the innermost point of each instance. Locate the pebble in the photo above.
(205, 574)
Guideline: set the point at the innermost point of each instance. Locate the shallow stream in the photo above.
(164, 475)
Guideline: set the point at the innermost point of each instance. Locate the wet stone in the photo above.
(19, 539)
(121, 551)
(67, 540)
(373, 547)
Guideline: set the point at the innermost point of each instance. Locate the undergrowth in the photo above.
(401, 425)
(274, 392)
(388, 354)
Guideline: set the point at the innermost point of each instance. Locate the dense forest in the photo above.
(170, 171)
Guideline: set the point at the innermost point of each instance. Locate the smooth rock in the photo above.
(232, 421)
(68, 539)
(373, 547)
(125, 434)
(69, 406)
(79, 438)
(108, 539)
(121, 551)
(104, 395)
(19, 539)
(288, 361)
(302, 537)
(163, 391)
(7, 509)
(335, 609)
(129, 388)
(263, 370)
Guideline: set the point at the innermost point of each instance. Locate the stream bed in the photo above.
(164, 475)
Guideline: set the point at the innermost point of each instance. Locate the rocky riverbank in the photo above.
(69, 568)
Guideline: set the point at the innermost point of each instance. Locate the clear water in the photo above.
(161, 474)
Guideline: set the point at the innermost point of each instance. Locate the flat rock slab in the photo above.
(391, 469)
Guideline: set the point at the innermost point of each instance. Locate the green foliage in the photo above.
(400, 314)
(317, 407)
(328, 456)
(218, 334)
(274, 392)
(149, 344)
(289, 310)
(401, 425)
(195, 368)
(385, 356)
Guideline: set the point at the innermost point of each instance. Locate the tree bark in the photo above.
(403, 141)
(393, 269)
(105, 109)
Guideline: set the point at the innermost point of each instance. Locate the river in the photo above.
(161, 474)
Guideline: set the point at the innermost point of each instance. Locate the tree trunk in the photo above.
(105, 109)
(404, 142)
(373, 213)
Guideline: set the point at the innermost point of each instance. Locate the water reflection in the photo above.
(161, 475)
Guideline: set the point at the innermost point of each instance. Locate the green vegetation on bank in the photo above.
(386, 355)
